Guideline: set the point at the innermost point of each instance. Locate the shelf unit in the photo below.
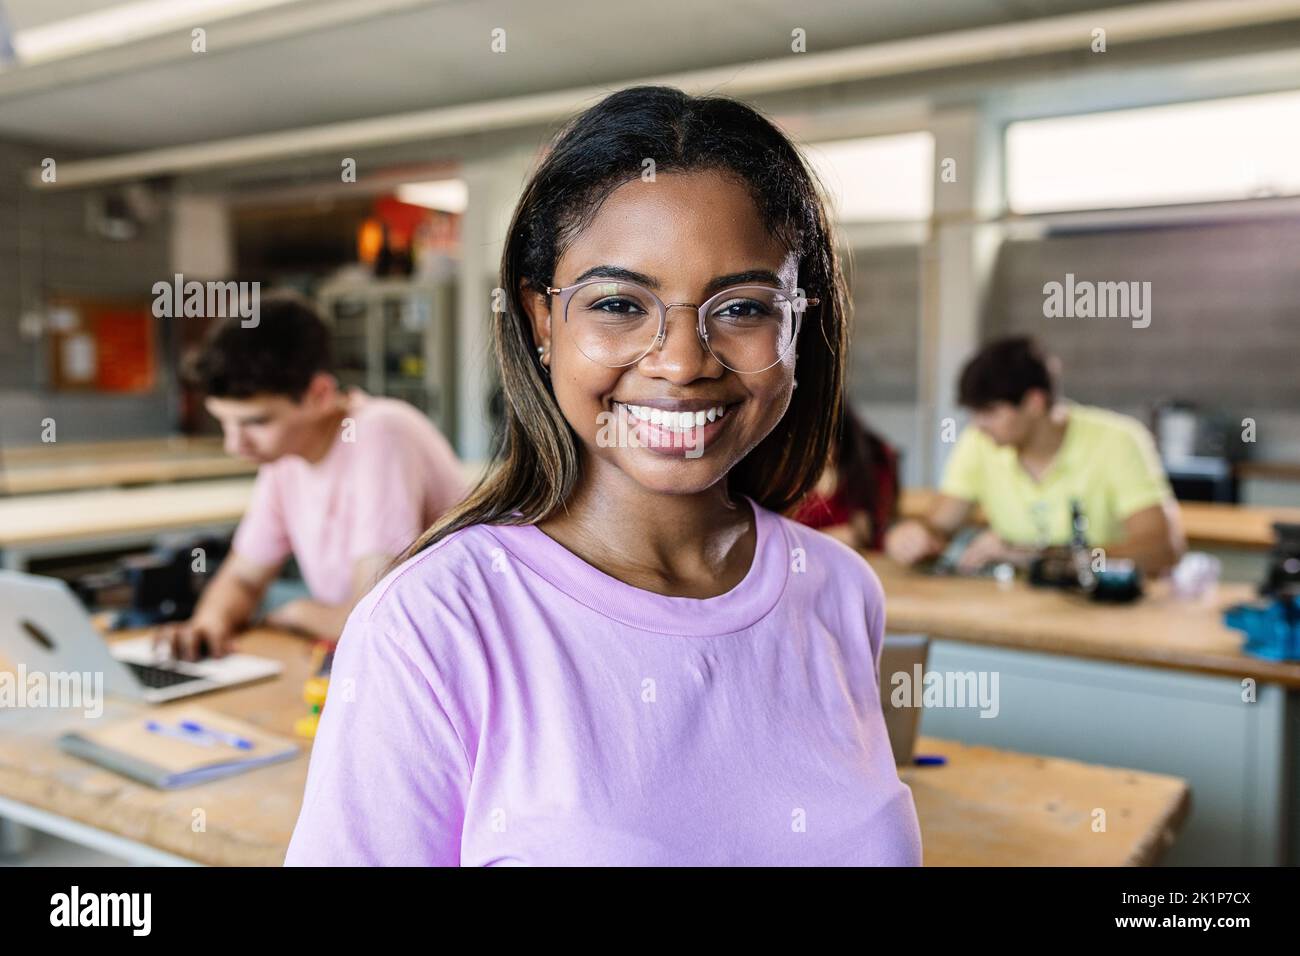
(395, 337)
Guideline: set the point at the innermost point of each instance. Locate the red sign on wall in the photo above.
(124, 340)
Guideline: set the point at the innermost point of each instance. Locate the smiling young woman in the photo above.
(621, 652)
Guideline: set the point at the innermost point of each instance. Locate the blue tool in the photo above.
(1272, 627)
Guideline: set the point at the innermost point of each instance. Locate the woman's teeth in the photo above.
(675, 421)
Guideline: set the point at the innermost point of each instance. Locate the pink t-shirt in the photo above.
(497, 700)
(385, 479)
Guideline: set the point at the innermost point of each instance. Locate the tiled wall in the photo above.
(1225, 318)
(885, 285)
(45, 248)
(883, 346)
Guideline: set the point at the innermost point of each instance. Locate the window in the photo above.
(878, 178)
(1239, 148)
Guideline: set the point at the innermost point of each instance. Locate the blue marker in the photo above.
(233, 740)
(156, 728)
(929, 760)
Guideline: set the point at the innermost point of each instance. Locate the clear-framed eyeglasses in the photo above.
(748, 328)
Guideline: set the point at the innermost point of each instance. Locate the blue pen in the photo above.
(233, 740)
(156, 728)
(929, 760)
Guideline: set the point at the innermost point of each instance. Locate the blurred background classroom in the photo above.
(369, 154)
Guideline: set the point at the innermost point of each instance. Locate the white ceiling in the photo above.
(436, 54)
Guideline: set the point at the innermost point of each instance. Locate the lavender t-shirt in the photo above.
(497, 700)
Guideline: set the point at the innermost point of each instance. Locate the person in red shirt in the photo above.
(857, 497)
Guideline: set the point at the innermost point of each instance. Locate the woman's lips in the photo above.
(665, 440)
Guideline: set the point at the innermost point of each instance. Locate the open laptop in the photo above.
(901, 653)
(44, 627)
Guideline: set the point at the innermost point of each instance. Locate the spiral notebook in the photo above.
(170, 748)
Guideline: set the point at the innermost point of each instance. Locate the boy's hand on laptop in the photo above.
(911, 541)
(193, 640)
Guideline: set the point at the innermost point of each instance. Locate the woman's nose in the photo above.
(681, 353)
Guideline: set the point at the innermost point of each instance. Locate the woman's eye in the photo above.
(743, 309)
(618, 307)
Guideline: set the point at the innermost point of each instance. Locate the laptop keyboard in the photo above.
(156, 677)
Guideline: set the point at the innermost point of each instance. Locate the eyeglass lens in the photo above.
(748, 328)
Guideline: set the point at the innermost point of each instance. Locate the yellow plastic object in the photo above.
(313, 692)
(306, 726)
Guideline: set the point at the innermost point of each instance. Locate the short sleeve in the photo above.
(1137, 477)
(961, 473)
(262, 536)
(389, 776)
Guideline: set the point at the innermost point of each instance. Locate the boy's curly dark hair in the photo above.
(278, 356)
(1004, 370)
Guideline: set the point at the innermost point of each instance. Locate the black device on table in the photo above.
(945, 564)
(154, 587)
(1283, 577)
(1070, 567)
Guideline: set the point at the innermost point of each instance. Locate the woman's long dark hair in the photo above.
(536, 466)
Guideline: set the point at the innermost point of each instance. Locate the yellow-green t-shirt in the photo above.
(1107, 461)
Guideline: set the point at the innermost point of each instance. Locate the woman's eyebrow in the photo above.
(715, 284)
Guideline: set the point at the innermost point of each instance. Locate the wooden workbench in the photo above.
(985, 807)
(57, 467)
(33, 526)
(989, 807)
(1207, 524)
(69, 522)
(1158, 631)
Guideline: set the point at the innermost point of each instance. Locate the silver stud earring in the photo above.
(541, 349)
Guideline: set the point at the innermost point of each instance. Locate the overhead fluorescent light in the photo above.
(133, 20)
(446, 195)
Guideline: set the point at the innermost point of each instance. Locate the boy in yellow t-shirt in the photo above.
(1027, 455)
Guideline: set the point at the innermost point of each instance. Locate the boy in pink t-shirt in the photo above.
(346, 481)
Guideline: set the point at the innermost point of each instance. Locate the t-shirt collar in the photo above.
(741, 607)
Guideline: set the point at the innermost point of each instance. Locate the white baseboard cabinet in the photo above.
(1237, 757)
